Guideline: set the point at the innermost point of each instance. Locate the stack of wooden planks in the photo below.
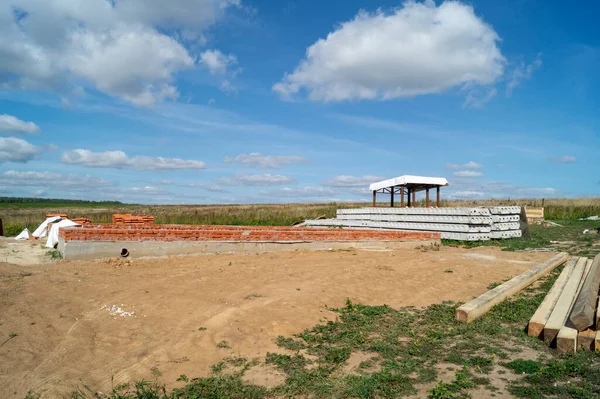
(127, 218)
(568, 317)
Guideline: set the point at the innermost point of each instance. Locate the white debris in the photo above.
(116, 310)
(591, 218)
(24, 235)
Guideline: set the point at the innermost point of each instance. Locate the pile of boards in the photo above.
(126, 218)
(466, 224)
(568, 318)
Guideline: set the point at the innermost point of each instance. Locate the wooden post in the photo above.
(374, 198)
(427, 197)
(409, 201)
(438, 197)
(402, 197)
(414, 197)
(392, 197)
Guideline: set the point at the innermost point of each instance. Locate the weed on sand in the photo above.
(406, 349)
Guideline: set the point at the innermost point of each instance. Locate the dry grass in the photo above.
(271, 214)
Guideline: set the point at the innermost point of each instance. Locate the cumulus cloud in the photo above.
(162, 182)
(118, 47)
(258, 160)
(216, 61)
(564, 159)
(419, 48)
(13, 149)
(256, 180)
(522, 72)
(468, 165)
(13, 125)
(53, 180)
(120, 160)
(301, 192)
(352, 181)
(467, 173)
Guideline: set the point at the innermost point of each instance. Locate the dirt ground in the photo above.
(90, 322)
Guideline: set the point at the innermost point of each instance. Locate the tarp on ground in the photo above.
(24, 235)
(53, 234)
(42, 230)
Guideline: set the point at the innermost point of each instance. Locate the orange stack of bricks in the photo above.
(62, 215)
(120, 232)
(126, 218)
(82, 221)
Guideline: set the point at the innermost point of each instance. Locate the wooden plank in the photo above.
(585, 340)
(584, 307)
(563, 305)
(597, 342)
(543, 312)
(566, 341)
(480, 305)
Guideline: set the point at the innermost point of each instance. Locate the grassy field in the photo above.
(30, 215)
(408, 351)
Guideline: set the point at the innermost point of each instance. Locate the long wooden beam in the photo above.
(543, 312)
(566, 340)
(584, 307)
(480, 305)
(585, 339)
(563, 305)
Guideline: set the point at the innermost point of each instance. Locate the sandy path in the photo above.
(246, 300)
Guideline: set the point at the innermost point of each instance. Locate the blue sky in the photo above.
(241, 101)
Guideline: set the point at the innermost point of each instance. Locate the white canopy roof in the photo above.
(409, 180)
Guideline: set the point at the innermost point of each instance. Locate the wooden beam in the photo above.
(480, 305)
(374, 198)
(597, 342)
(563, 306)
(427, 198)
(566, 341)
(414, 197)
(584, 307)
(437, 194)
(585, 339)
(543, 312)
(409, 201)
(392, 197)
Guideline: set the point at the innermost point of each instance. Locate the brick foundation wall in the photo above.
(119, 232)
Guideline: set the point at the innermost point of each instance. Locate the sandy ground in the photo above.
(23, 252)
(120, 319)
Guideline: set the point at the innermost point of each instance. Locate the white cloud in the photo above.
(564, 159)
(120, 160)
(53, 180)
(537, 192)
(300, 192)
(13, 149)
(468, 165)
(258, 160)
(38, 193)
(162, 182)
(466, 195)
(13, 125)
(147, 190)
(467, 173)
(256, 180)
(477, 98)
(522, 72)
(208, 187)
(415, 49)
(216, 61)
(121, 48)
(352, 181)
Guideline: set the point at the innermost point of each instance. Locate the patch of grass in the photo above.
(202, 328)
(54, 254)
(156, 372)
(223, 345)
(13, 229)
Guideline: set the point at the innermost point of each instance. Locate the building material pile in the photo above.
(535, 215)
(465, 224)
(82, 221)
(62, 216)
(482, 304)
(568, 317)
(130, 219)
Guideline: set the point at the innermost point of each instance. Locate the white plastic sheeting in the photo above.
(42, 230)
(408, 179)
(24, 235)
(53, 234)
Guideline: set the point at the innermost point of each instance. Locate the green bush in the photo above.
(11, 230)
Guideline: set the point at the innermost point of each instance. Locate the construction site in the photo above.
(133, 300)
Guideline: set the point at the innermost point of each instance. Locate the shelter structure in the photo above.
(409, 186)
